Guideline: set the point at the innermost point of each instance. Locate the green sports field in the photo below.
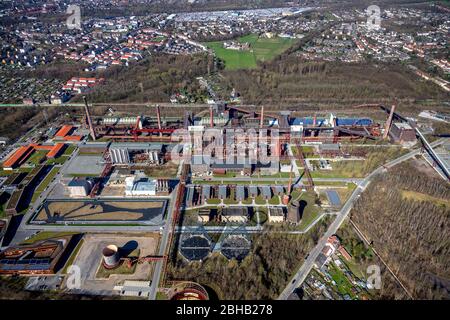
(261, 49)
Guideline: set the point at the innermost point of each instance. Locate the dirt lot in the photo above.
(100, 210)
(89, 260)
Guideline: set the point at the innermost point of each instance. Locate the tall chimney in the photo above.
(158, 115)
(211, 117)
(389, 122)
(314, 121)
(261, 123)
(88, 118)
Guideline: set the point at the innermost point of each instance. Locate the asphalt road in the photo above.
(158, 270)
(304, 270)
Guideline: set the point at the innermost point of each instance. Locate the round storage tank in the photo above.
(236, 246)
(111, 256)
(188, 291)
(195, 247)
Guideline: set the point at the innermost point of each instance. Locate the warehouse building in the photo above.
(80, 187)
(276, 215)
(235, 214)
(240, 193)
(402, 132)
(139, 187)
(137, 152)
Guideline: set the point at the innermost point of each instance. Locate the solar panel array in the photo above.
(25, 264)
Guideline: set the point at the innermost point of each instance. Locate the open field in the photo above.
(417, 196)
(167, 170)
(88, 210)
(261, 49)
(46, 235)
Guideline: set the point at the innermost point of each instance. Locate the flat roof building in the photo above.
(276, 214)
(402, 132)
(135, 187)
(240, 193)
(235, 214)
(79, 187)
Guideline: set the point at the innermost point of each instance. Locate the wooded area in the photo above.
(154, 79)
(289, 80)
(410, 234)
(263, 274)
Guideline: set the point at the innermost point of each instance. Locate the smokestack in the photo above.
(314, 121)
(389, 122)
(261, 124)
(158, 115)
(211, 117)
(88, 118)
(287, 196)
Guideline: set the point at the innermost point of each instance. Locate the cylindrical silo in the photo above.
(111, 256)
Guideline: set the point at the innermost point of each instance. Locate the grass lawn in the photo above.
(307, 219)
(230, 201)
(73, 256)
(417, 196)
(260, 200)
(225, 175)
(262, 215)
(44, 183)
(310, 212)
(59, 160)
(167, 170)
(343, 285)
(278, 175)
(69, 150)
(247, 201)
(261, 49)
(36, 157)
(44, 235)
(190, 217)
(275, 200)
(121, 269)
(161, 296)
(213, 201)
(103, 273)
(4, 173)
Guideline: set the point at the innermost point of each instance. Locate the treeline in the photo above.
(59, 69)
(154, 79)
(290, 80)
(175, 6)
(363, 255)
(263, 274)
(410, 235)
(15, 121)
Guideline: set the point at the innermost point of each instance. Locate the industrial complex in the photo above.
(189, 188)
